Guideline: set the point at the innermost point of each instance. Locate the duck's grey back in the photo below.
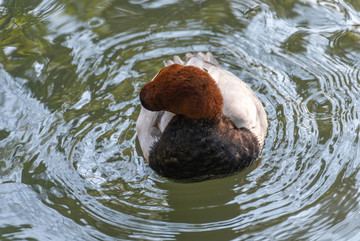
(241, 104)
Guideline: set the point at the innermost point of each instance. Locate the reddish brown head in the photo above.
(185, 90)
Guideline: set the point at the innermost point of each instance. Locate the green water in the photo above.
(70, 164)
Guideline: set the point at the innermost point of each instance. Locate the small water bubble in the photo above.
(56, 192)
(95, 22)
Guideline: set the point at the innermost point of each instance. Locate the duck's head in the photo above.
(184, 90)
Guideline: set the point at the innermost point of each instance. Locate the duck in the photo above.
(199, 121)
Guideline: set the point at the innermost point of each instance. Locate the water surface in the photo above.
(70, 164)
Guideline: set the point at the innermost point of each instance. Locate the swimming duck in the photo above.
(199, 121)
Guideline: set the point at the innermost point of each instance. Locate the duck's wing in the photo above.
(149, 126)
(241, 104)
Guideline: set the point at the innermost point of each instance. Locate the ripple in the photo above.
(67, 129)
(95, 22)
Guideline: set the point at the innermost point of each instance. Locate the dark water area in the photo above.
(71, 167)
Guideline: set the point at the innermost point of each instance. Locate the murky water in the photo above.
(71, 167)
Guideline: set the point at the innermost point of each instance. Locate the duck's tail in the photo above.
(195, 59)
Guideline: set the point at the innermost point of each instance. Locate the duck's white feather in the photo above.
(150, 126)
(241, 105)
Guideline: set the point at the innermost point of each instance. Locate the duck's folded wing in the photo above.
(241, 104)
(149, 126)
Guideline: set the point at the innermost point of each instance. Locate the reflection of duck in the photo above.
(199, 120)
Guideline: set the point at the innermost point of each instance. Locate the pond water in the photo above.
(70, 164)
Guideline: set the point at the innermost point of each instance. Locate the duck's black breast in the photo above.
(198, 149)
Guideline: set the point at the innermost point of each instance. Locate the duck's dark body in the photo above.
(199, 149)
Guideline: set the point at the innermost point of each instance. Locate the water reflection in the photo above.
(70, 75)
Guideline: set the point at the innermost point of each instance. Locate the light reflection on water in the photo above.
(70, 162)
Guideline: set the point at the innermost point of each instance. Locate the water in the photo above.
(71, 167)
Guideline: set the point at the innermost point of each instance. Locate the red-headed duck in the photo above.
(199, 121)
